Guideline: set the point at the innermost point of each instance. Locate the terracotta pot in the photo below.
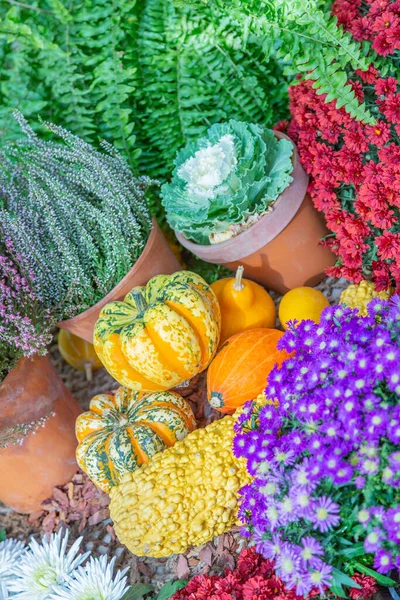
(46, 458)
(157, 258)
(281, 251)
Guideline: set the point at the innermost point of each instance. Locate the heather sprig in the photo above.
(325, 499)
(78, 216)
(25, 325)
(15, 435)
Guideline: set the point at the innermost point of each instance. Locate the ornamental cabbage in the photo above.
(227, 179)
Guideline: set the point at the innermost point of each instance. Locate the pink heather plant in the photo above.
(25, 326)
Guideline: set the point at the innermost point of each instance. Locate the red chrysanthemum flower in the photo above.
(378, 134)
(355, 139)
(388, 245)
(360, 28)
(369, 76)
(390, 107)
(386, 86)
(381, 275)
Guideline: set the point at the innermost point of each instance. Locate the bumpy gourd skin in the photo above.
(359, 296)
(184, 496)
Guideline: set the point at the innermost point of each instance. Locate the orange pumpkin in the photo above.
(244, 305)
(240, 369)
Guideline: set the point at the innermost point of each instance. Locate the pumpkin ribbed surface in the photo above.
(244, 305)
(239, 371)
(123, 431)
(360, 295)
(161, 334)
(184, 496)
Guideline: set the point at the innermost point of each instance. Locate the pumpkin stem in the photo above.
(140, 302)
(238, 284)
(216, 400)
(88, 370)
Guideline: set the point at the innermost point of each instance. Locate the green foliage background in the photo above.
(145, 75)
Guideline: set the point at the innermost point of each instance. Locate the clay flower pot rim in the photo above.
(114, 293)
(279, 215)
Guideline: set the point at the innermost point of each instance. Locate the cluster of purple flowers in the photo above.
(25, 327)
(324, 454)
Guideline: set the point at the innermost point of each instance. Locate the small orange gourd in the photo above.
(78, 353)
(240, 370)
(244, 305)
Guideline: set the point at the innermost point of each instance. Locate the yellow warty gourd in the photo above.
(183, 497)
(359, 296)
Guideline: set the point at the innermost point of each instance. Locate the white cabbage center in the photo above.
(209, 167)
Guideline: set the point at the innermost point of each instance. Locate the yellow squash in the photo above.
(78, 353)
(162, 334)
(360, 295)
(183, 497)
(244, 305)
(123, 431)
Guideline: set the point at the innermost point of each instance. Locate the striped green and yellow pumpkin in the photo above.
(123, 431)
(161, 334)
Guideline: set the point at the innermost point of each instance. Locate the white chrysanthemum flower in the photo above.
(94, 581)
(10, 553)
(45, 566)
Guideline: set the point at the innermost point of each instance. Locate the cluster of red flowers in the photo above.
(377, 21)
(254, 579)
(355, 172)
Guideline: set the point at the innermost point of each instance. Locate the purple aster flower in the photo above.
(301, 474)
(394, 536)
(378, 512)
(397, 563)
(393, 379)
(320, 576)
(393, 431)
(323, 514)
(381, 340)
(272, 548)
(288, 563)
(344, 474)
(363, 516)
(272, 515)
(315, 443)
(370, 466)
(332, 430)
(270, 418)
(283, 457)
(360, 482)
(287, 510)
(239, 445)
(302, 584)
(301, 499)
(391, 519)
(311, 550)
(375, 423)
(331, 462)
(394, 460)
(388, 475)
(383, 561)
(372, 542)
(391, 356)
(295, 441)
